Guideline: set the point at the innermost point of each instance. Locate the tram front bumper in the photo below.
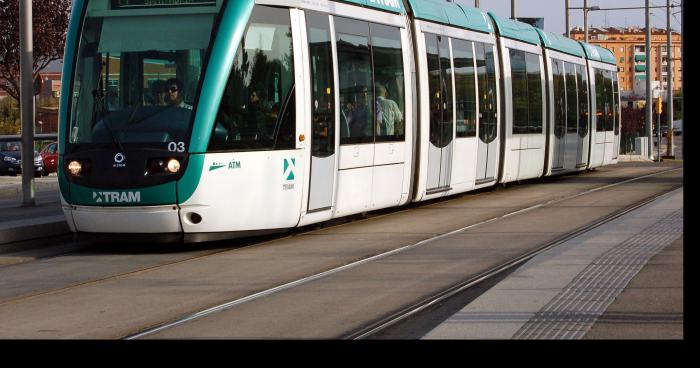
(125, 220)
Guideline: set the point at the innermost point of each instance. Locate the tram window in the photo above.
(534, 92)
(526, 92)
(609, 98)
(431, 44)
(440, 87)
(388, 82)
(519, 91)
(582, 100)
(616, 103)
(464, 88)
(446, 89)
(571, 99)
(486, 74)
(257, 109)
(600, 114)
(133, 85)
(559, 94)
(356, 92)
(323, 100)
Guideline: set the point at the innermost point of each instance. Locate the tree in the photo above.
(9, 117)
(50, 18)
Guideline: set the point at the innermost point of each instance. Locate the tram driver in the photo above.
(174, 94)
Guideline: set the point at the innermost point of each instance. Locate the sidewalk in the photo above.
(622, 280)
(19, 223)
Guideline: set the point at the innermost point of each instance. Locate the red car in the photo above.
(50, 156)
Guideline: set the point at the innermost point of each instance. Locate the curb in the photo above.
(17, 231)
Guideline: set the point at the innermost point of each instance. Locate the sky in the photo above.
(553, 12)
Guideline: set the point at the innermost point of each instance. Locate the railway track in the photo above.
(407, 312)
(168, 260)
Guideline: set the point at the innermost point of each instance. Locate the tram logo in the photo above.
(289, 168)
(119, 160)
(216, 165)
(289, 174)
(116, 197)
(233, 164)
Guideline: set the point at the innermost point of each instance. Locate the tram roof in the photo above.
(597, 53)
(560, 43)
(395, 6)
(451, 13)
(516, 30)
(606, 55)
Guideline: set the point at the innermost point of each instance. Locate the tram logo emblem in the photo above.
(119, 160)
(289, 168)
(116, 197)
(233, 164)
(216, 165)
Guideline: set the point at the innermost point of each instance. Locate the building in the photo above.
(629, 47)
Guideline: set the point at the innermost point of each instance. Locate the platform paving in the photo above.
(18, 223)
(622, 280)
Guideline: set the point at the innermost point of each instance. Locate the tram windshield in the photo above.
(137, 72)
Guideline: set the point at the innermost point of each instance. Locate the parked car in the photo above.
(49, 155)
(11, 159)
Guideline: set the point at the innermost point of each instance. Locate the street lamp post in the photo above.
(648, 82)
(568, 30)
(585, 9)
(26, 102)
(669, 81)
(585, 21)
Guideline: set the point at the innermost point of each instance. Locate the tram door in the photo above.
(559, 115)
(616, 115)
(487, 153)
(441, 116)
(584, 118)
(322, 112)
(572, 141)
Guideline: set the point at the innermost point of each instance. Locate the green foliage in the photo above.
(9, 116)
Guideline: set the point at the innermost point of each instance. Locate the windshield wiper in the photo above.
(98, 96)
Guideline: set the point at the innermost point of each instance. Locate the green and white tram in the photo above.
(201, 120)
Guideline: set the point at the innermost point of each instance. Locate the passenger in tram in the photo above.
(388, 113)
(256, 124)
(359, 118)
(174, 97)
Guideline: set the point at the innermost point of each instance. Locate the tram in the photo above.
(197, 120)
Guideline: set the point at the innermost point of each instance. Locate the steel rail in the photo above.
(415, 308)
(383, 323)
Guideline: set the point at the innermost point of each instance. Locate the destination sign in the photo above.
(130, 4)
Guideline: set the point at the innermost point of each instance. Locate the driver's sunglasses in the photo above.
(173, 89)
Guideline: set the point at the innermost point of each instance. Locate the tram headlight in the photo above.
(75, 168)
(163, 166)
(173, 165)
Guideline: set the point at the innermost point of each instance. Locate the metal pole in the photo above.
(568, 31)
(669, 81)
(658, 131)
(585, 21)
(512, 10)
(649, 101)
(27, 101)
